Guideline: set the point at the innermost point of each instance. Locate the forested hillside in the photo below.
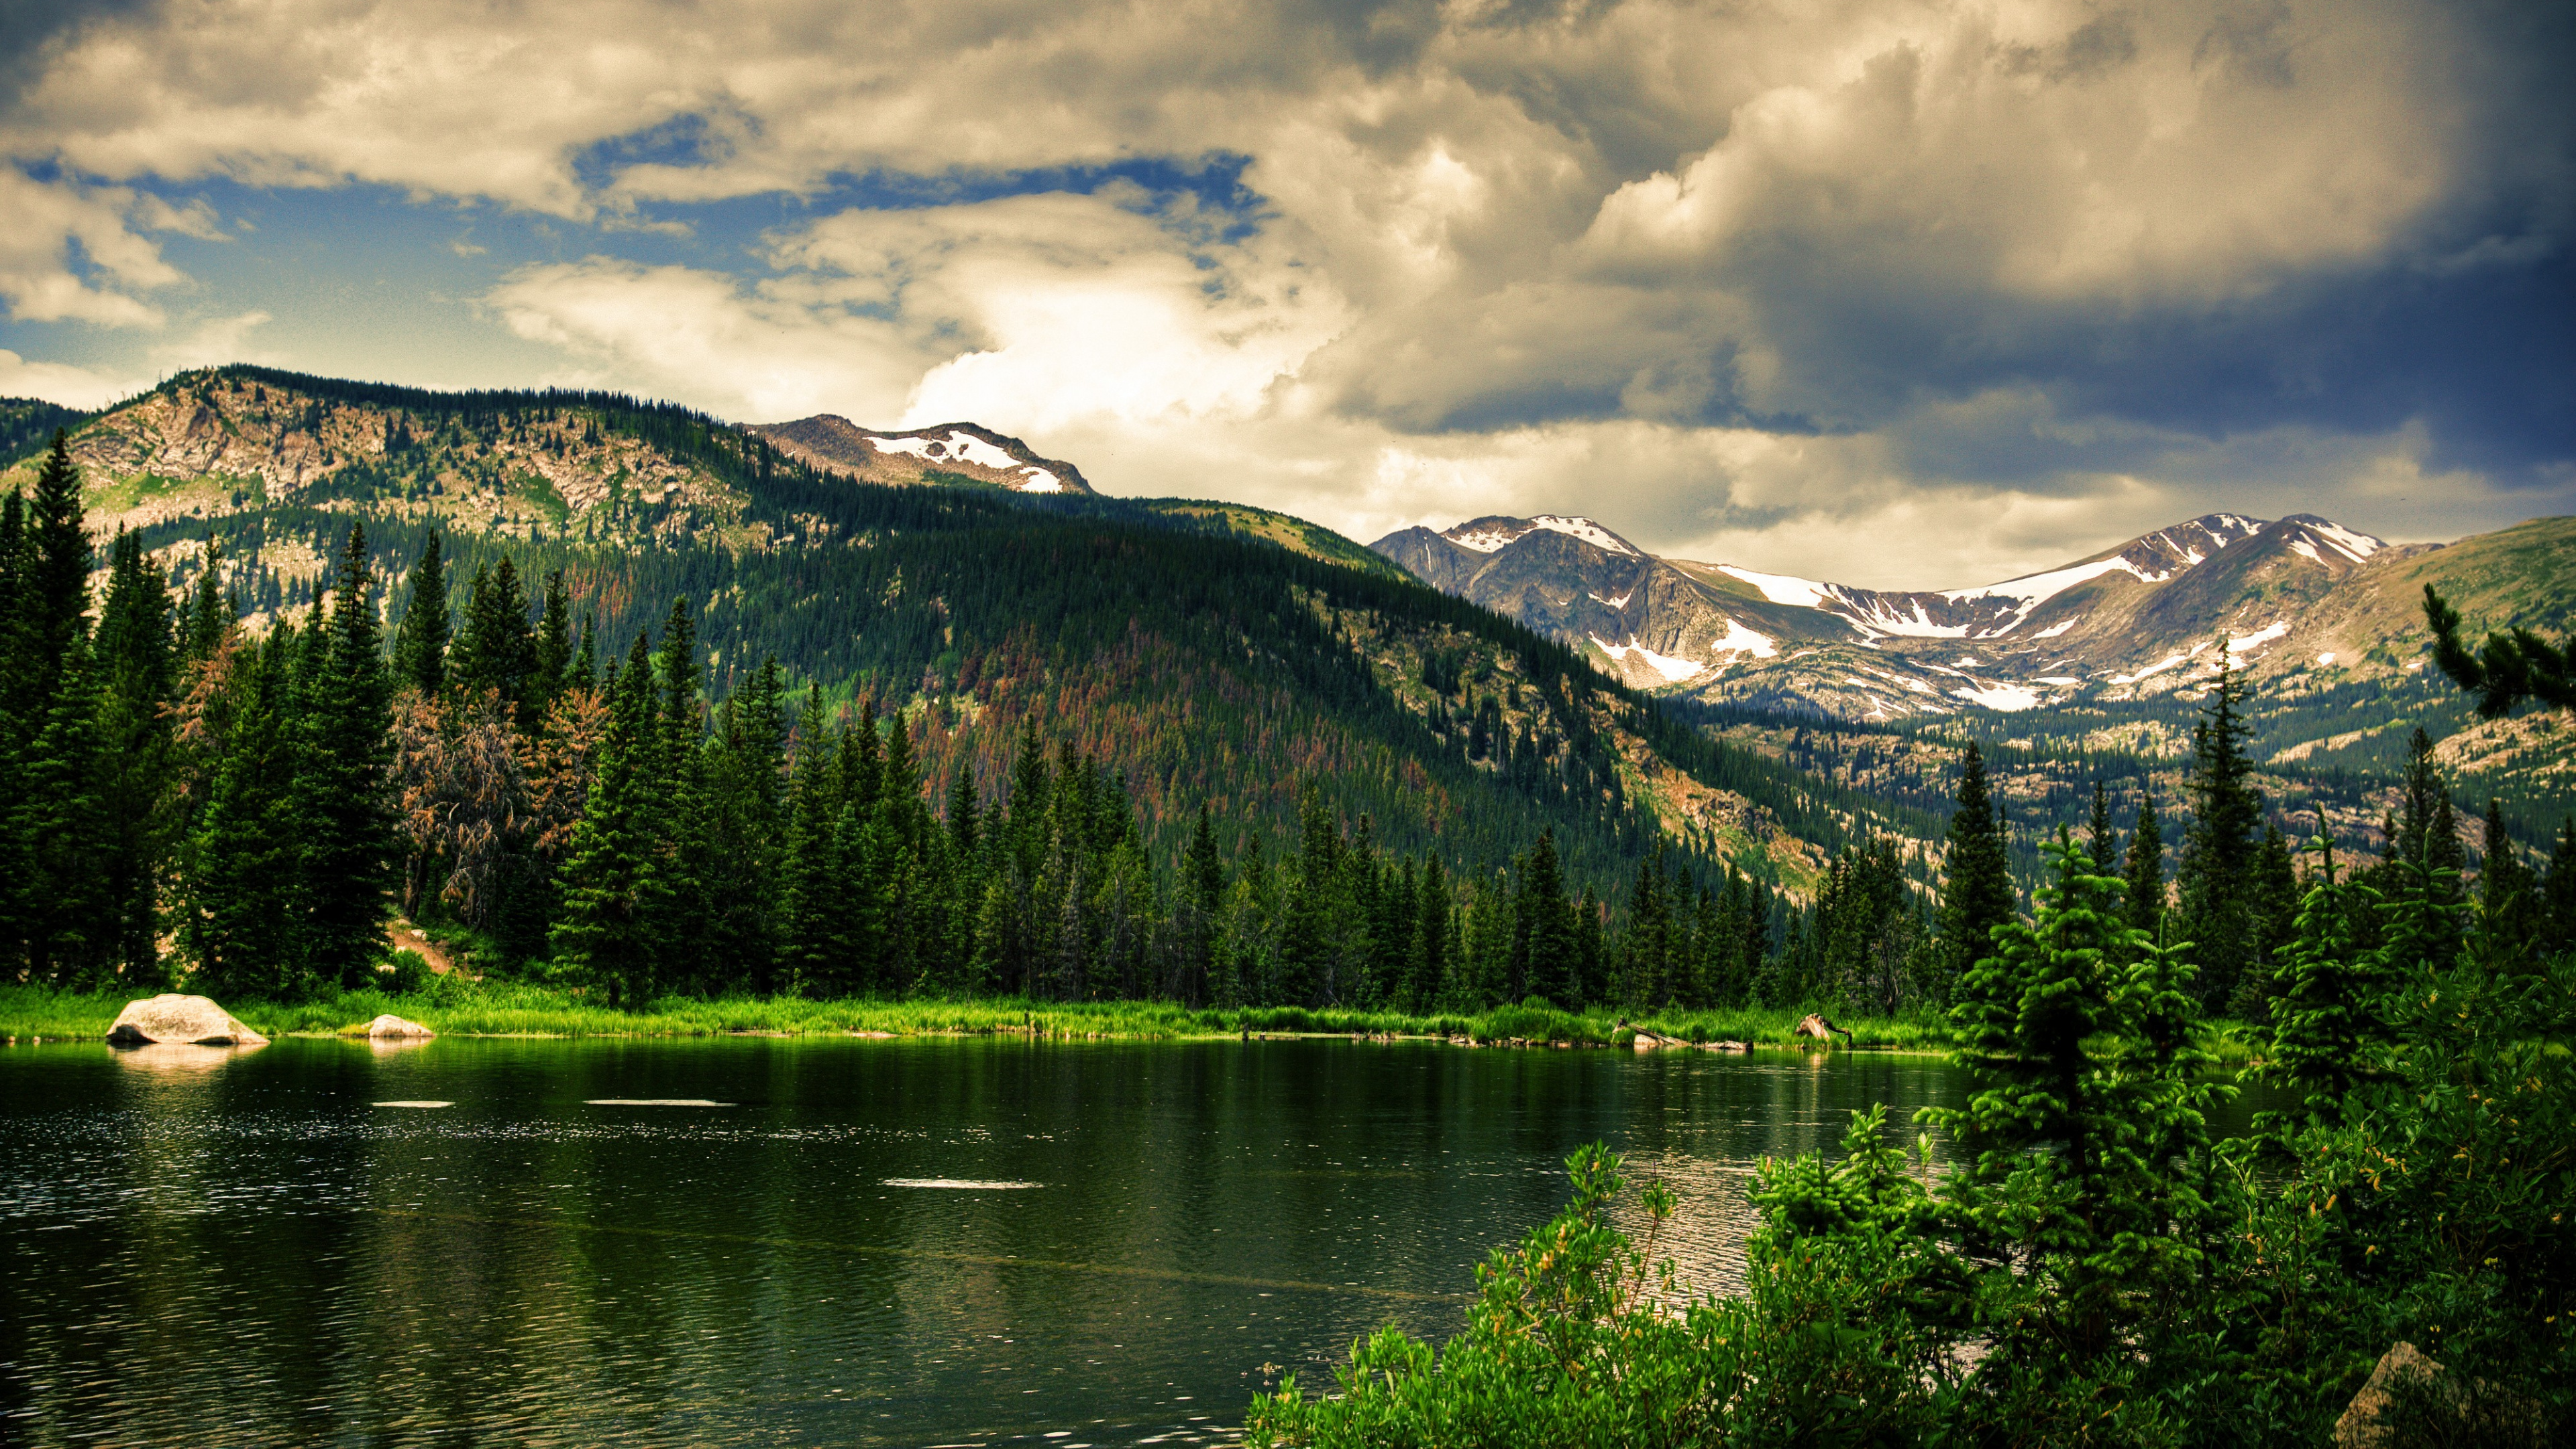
(1144, 679)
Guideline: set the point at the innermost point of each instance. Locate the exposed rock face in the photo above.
(392, 1026)
(2470, 1412)
(174, 1018)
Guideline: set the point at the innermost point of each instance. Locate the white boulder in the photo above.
(171, 1017)
(392, 1026)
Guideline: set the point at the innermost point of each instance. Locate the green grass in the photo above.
(496, 1008)
(505, 1008)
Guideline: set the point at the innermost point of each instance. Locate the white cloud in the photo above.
(72, 387)
(1505, 260)
(54, 228)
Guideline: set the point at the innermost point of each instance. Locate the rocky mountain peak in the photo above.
(944, 453)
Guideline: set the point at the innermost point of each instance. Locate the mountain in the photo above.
(2300, 599)
(1206, 652)
(949, 453)
(2091, 670)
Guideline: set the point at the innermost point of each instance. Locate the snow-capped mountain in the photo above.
(947, 453)
(2140, 618)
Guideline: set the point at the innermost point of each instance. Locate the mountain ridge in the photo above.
(2132, 620)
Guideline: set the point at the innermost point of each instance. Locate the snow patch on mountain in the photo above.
(1782, 589)
(1587, 530)
(1877, 618)
(965, 447)
(1620, 602)
(2159, 667)
(2001, 696)
(2032, 590)
(2258, 638)
(1739, 640)
(1500, 532)
(1673, 670)
(1483, 540)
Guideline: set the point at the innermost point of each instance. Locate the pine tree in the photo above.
(2326, 1021)
(137, 668)
(240, 911)
(2065, 1143)
(1203, 879)
(1542, 920)
(554, 658)
(616, 897)
(345, 803)
(2272, 906)
(2219, 906)
(2101, 842)
(421, 639)
(497, 650)
(63, 912)
(2143, 907)
(211, 614)
(1433, 932)
(1976, 885)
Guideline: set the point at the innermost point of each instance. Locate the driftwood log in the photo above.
(1823, 1030)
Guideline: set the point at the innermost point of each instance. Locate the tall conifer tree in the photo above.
(420, 640)
(1976, 874)
(2220, 905)
(350, 848)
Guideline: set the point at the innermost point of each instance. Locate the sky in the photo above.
(1897, 294)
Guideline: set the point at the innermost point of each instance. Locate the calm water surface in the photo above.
(210, 1247)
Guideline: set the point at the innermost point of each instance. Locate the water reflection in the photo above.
(265, 1247)
(177, 1056)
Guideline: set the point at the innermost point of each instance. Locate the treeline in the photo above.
(243, 810)
(255, 801)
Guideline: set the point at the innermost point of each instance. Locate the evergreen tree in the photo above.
(2273, 902)
(2101, 842)
(2220, 907)
(211, 614)
(1545, 927)
(2326, 1018)
(63, 913)
(1976, 884)
(240, 913)
(616, 898)
(345, 805)
(497, 650)
(1433, 931)
(554, 658)
(137, 664)
(1203, 878)
(2144, 904)
(420, 640)
(2066, 1175)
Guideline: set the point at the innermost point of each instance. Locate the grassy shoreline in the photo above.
(494, 1009)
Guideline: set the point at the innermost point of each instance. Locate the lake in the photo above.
(916, 1241)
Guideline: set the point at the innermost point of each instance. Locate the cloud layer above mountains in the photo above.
(1900, 293)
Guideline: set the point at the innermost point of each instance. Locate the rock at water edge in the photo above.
(390, 1025)
(171, 1017)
